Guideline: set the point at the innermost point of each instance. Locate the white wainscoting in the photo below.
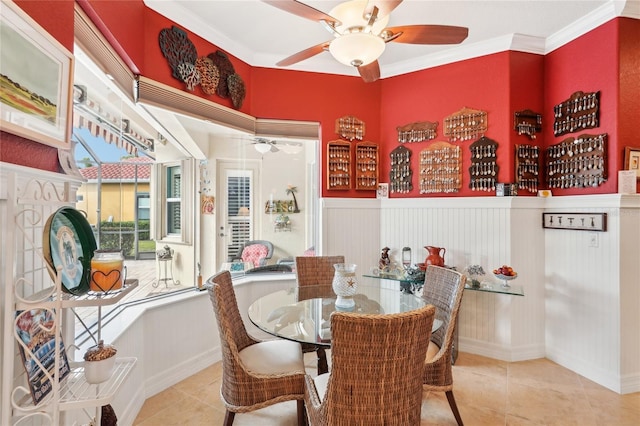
(581, 307)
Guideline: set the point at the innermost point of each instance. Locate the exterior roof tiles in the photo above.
(125, 170)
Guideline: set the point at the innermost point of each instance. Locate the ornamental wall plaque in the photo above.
(465, 124)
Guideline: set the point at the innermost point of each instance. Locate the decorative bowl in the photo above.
(506, 277)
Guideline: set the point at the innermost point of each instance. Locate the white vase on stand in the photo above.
(345, 284)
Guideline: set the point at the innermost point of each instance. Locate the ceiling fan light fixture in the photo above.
(262, 147)
(351, 15)
(357, 49)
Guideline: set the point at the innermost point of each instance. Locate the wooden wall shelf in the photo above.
(527, 164)
(577, 162)
(417, 132)
(339, 165)
(579, 112)
(401, 173)
(483, 171)
(440, 168)
(350, 128)
(465, 124)
(367, 166)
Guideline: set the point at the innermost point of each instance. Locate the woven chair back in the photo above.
(443, 288)
(375, 378)
(233, 338)
(316, 271)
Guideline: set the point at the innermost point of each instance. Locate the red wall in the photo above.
(433, 94)
(628, 103)
(587, 64)
(282, 94)
(604, 59)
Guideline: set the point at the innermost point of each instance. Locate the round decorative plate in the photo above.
(68, 243)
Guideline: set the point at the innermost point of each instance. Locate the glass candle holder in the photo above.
(107, 270)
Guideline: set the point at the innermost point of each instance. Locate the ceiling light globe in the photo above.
(357, 49)
(262, 147)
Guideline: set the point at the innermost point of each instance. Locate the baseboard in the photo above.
(501, 352)
(128, 416)
(179, 372)
(619, 384)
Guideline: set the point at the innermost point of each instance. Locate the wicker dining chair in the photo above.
(375, 379)
(315, 278)
(443, 288)
(255, 374)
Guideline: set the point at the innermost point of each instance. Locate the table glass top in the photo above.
(303, 314)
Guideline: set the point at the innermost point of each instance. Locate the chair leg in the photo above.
(228, 418)
(323, 367)
(454, 407)
(302, 415)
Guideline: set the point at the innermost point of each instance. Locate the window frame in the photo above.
(160, 179)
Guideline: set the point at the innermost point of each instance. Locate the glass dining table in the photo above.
(302, 314)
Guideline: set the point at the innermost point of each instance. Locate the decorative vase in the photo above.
(474, 280)
(434, 257)
(345, 284)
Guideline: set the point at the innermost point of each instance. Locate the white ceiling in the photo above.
(262, 35)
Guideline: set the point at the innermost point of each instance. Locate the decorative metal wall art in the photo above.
(578, 162)
(177, 49)
(209, 75)
(440, 168)
(350, 128)
(225, 67)
(214, 73)
(400, 174)
(417, 132)
(527, 167)
(465, 124)
(527, 123)
(483, 171)
(580, 111)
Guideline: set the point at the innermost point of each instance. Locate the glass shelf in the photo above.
(493, 287)
(485, 286)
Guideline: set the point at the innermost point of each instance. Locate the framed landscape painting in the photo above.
(35, 80)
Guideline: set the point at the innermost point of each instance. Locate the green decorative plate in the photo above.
(68, 243)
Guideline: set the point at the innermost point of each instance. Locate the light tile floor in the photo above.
(488, 392)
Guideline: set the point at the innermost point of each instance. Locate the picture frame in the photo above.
(383, 190)
(575, 221)
(36, 80)
(632, 160)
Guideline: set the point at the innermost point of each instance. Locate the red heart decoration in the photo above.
(99, 277)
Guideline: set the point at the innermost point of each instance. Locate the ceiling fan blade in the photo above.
(385, 7)
(370, 72)
(302, 10)
(304, 54)
(429, 34)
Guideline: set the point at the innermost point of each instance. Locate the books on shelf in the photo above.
(37, 342)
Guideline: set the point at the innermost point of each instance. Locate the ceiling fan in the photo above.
(264, 145)
(361, 32)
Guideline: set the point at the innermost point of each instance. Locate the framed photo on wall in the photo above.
(35, 80)
(632, 160)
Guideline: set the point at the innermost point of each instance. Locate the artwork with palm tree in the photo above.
(292, 190)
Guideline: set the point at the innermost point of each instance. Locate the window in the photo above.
(238, 208)
(174, 204)
(174, 215)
